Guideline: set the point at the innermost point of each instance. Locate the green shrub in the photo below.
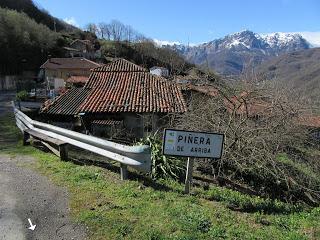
(22, 95)
(163, 166)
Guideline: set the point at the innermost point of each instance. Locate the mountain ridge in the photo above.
(235, 53)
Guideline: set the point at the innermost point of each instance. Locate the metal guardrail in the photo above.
(138, 157)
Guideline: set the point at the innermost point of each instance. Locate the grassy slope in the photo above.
(113, 209)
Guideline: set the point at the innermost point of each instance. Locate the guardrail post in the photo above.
(26, 137)
(123, 171)
(63, 150)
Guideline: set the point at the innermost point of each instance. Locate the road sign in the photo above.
(192, 144)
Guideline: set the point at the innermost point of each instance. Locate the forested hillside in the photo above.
(29, 35)
(120, 40)
(27, 39)
(39, 15)
(145, 53)
(24, 43)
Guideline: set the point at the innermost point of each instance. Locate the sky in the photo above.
(194, 21)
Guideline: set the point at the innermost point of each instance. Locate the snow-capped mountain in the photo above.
(285, 42)
(239, 51)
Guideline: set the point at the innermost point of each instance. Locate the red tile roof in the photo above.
(119, 65)
(122, 86)
(309, 121)
(206, 89)
(77, 79)
(108, 122)
(69, 63)
(67, 103)
(241, 104)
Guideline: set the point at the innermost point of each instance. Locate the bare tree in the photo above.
(104, 30)
(262, 140)
(129, 33)
(91, 27)
(117, 30)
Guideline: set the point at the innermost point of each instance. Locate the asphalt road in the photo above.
(26, 194)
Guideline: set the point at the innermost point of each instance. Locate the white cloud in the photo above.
(312, 37)
(171, 43)
(163, 42)
(72, 21)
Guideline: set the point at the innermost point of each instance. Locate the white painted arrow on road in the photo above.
(32, 227)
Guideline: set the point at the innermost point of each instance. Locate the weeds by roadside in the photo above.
(114, 209)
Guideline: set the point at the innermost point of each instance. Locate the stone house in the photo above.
(81, 48)
(56, 71)
(122, 95)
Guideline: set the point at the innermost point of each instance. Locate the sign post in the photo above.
(192, 145)
(188, 175)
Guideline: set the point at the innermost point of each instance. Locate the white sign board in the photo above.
(192, 144)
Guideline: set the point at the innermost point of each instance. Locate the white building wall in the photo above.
(156, 72)
(160, 72)
(58, 83)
